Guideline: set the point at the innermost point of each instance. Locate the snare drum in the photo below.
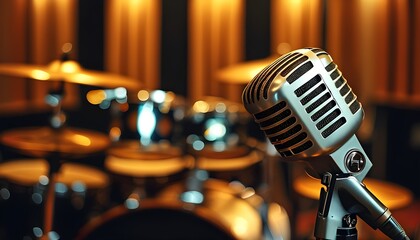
(144, 169)
(80, 191)
(222, 215)
(236, 163)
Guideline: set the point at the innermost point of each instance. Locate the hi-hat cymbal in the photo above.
(391, 195)
(244, 72)
(68, 71)
(44, 141)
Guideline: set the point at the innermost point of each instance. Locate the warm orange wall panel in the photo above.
(216, 39)
(33, 32)
(401, 53)
(416, 50)
(132, 40)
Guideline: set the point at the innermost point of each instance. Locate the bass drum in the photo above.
(221, 215)
(80, 191)
(245, 213)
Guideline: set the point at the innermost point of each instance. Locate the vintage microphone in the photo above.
(309, 113)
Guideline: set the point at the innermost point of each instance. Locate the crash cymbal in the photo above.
(68, 71)
(44, 141)
(243, 73)
(390, 194)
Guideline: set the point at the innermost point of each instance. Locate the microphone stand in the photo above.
(344, 198)
(333, 221)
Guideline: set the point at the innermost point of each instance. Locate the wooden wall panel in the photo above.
(401, 66)
(415, 51)
(373, 42)
(33, 33)
(296, 23)
(216, 40)
(132, 40)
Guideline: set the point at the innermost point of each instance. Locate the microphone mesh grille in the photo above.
(300, 71)
(336, 125)
(260, 85)
(279, 122)
(284, 132)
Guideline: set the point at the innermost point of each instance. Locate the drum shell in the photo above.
(23, 198)
(167, 217)
(217, 120)
(122, 186)
(245, 213)
(236, 163)
(156, 219)
(234, 206)
(168, 113)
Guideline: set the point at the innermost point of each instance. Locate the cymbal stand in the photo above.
(54, 99)
(54, 162)
(115, 127)
(49, 205)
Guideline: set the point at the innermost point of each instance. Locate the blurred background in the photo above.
(198, 52)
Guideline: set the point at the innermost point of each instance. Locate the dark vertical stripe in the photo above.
(257, 29)
(174, 50)
(91, 34)
(90, 55)
(28, 55)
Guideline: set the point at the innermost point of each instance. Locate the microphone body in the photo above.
(307, 110)
(309, 113)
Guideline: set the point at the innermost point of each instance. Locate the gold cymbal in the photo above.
(390, 194)
(243, 73)
(27, 172)
(68, 71)
(230, 159)
(43, 141)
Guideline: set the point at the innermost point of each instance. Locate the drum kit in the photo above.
(172, 169)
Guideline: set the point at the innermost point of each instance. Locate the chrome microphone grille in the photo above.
(300, 89)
